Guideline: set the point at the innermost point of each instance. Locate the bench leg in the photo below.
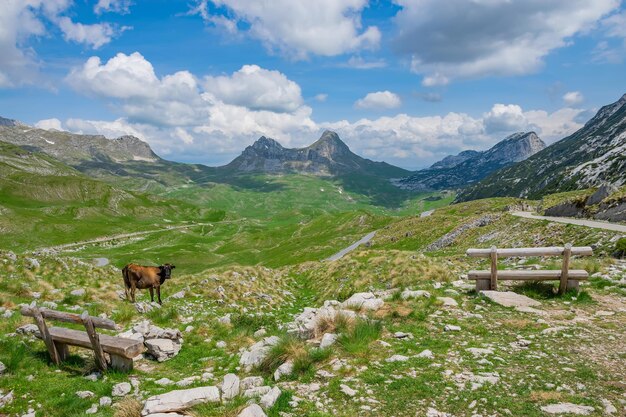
(483, 284)
(62, 350)
(120, 363)
(572, 285)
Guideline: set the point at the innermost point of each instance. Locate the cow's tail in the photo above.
(126, 277)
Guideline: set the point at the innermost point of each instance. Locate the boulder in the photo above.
(180, 400)
(510, 299)
(253, 410)
(257, 352)
(230, 386)
(283, 370)
(600, 194)
(269, 399)
(28, 329)
(256, 391)
(105, 401)
(251, 382)
(567, 408)
(162, 349)
(328, 340)
(84, 394)
(121, 389)
(407, 294)
(363, 301)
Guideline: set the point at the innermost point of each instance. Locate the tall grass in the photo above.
(356, 340)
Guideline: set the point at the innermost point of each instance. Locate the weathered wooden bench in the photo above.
(568, 278)
(120, 350)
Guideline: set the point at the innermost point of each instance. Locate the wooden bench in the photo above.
(120, 350)
(568, 278)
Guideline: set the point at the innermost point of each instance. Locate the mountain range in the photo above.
(592, 156)
(456, 171)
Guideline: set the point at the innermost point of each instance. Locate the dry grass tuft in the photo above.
(542, 396)
(128, 407)
(333, 324)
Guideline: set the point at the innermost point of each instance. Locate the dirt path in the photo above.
(579, 222)
(119, 236)
(352, 247)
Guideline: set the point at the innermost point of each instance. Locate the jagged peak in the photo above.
(329, 137)
(10, 122)
(265, 143)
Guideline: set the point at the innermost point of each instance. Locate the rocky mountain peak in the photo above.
(516, 147)
(330, 146)
(10, 122)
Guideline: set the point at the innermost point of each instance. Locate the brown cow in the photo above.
(142, 277)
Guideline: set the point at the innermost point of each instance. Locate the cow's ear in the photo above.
(173, 267)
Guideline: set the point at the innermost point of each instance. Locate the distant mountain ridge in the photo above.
(456, 171)
(592, 156)
(328, 156)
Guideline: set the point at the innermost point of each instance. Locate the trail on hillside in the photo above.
(568, 220)
(118, 236)
(352, 247)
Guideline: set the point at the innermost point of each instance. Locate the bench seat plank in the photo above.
(508, 275)
(525, 252)
(128, 348)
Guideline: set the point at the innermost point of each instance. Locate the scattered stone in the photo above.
(32, 263)
(451, 328)
(143, 307)
(347, 390)
(567, 408)
(257, 352)
(225, 320)
(180, 400)
(84, 394)
(121, 389)
(3, 368)
(178, 295)
(6, 399)
(164, 382)
(402, 335)
(397, 358)
(510, 299)
(448, 301)
(94, 376)
(478, 352)
(187, 381)
(28, 329)
(609, 408)
(78, 293)
(283, 370)
(230, 386)
(221, 344)
(105, 401)
(426, 354)
(92, 410)
(162, 349)
(363, 301)
(268, 400)
(407, 294)
(260, 333)
(256, 391)
(524, 309)
(328, 340)
(251, 382)
(253, 410)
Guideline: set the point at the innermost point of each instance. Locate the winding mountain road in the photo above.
(568, 220)
(352, 247)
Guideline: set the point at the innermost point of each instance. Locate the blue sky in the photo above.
(405, 81)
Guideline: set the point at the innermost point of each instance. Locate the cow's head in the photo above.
(166, 271)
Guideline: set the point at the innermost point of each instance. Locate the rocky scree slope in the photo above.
(456, 171)
(592, 156)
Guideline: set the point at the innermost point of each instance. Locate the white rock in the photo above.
(260, 333)
(347, 390)
(225, 319)
(221, 344)
(164, 382)
(178, 295)
(180, 400)
(3, 368)
(92, 410)
(269, 399)
(567, 408)
(364, 301)
(252, 411)
(407, 294)
(230, 386)
(451, 328)
(162, 349)
(397, 358)
(328, 340)
(121, 389)
(510, 299)
(478, 352)
(283, 370)
(78, 293)
(187, 381)
(84, 394)
(256, 391)
(257, 352)
(448, 301)
(251, 382)
(426, 354)
(105, 401)
(609, 409)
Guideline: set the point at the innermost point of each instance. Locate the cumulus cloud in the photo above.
(256, 88)
(22, 20)
(572, 98)
(379, 100)
(460, 39)
(321, 97)
(49, 124)
(211, 122)
(358, 62)
(297, 28)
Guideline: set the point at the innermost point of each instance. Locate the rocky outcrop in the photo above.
(449, 238)
(162, 344)
(471, 166)
(255, 355)
(180, 400)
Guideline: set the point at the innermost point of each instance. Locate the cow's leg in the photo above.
(159, 294)
(151, 295)
(127, 290)
(133, 288)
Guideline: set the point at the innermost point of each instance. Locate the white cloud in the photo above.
(183, 121)
(358, 62)
(22, 20)
(321, 97)
(49, 124)
(572, 98)
(95, 35)
(116, 6)
(298, 28)
(436, 79)
(256, 88)
(461, 39)
(379, 100)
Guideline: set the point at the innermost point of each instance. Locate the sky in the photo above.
(404, 81)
